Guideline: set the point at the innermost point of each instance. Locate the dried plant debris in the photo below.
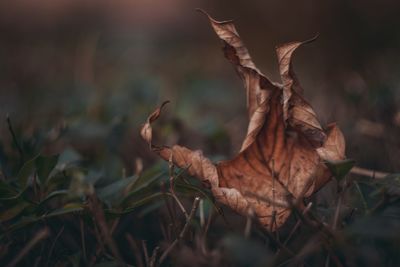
(282, 156)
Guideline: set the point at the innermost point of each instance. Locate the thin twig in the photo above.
(145, 252)
(82, 228)
(42, 234)
(342, 190)
(136, 251)
(266, 199)
(208, 222)
(328, 260)
(114, 225)
(53, 245)
(164, 231)
(101, 246)
(298, 223)
(183, 232)
(368, 173)
(171, 169)
(325, 232)
(249, 221)
(337, 212)
(15, 140)
(154, 257)
(365, 205)
(201, 213)
(100, 220)
(180, 205)
(333, 256)
(169, 209)
(203, 235)
(279, 244)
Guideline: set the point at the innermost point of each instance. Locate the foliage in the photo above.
(67, 208)
(85, 207)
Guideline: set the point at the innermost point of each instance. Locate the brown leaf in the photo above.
(297, 111)
(258, 87)
(281, 159)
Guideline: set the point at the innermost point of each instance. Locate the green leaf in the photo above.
(68, 208)
(148, 177)
(340, 168)
(44, 165)
(26, 171)
(7, 191)
(26, 221)
(41, 164)
(52, 195)
(141, 186)
(114, 192)
(131, 205)
(14, 211)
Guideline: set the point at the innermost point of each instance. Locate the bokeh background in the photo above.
(93, 70)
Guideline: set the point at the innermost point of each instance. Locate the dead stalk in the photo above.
(100, 221)
(201, 212)
(154, 257)
(171, 187)
(298, 223)
(180, 205)
(183, 232)
(145, 252)
(53, 245)
(337, 213)
(368, 173)
(42, 234)
(247, 228)
(136, 251)
(82, 228)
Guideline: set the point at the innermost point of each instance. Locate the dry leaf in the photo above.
(281, 158)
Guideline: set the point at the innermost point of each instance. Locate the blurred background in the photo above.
(85, 74)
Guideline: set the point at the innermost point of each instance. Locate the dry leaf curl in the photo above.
(281, 158)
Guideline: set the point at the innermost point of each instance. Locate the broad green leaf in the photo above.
(53, 195)
(156, 204)
(16, 196)
(340, 168)
(14, 211)
(44, 165)
(7, 191)
(149, 176)
(22, 223)
(114, 192)
(189, 188)
(68, 208)
(26, 171)
(133, 204)
(140, 186)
